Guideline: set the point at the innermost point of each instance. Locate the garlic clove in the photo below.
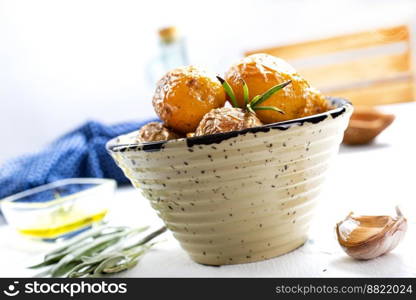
(367, 237)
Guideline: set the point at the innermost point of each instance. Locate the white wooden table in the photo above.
(367, 180)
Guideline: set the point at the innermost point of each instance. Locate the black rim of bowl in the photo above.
(340, 103)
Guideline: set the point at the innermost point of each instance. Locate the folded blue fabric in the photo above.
(79, 153)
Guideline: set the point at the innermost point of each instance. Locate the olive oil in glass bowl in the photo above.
(60, 209)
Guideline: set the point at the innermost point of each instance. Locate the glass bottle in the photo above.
(172, 54)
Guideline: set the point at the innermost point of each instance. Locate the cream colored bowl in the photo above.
(240, 196)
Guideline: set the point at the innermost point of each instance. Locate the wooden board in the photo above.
(339, 43)
(370, 77)
(380, 93)
(359, 70)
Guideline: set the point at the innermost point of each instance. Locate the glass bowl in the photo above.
(60, 209)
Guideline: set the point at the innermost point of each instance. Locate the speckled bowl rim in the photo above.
(340, 104)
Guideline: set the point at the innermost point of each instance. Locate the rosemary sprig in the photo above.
(245, 92)
(100, 251)
(267, 94)
(268, 108)
(229, 90)
(77, 242)
(253, 104)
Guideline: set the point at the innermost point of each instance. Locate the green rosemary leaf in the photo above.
(269, 108)
(137, 252)
(266, 95)
(229, 91)
(52, 258)
(44, 264)
(75, 241)
(110, 263)
(250, 109)
(245, 92)
(99, 252)
(64, 269)
(254, 100)
(93, 248)
(147, 238)
(82, 270)
(122, 267)
(93, 233)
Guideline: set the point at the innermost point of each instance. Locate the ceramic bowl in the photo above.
(239, 196)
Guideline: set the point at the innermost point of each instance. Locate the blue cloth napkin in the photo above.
(79, 153)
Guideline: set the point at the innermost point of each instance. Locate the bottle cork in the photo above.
(168, 34)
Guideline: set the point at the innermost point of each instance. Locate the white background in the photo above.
(64, 62)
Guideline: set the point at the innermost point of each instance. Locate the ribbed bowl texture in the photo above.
(242, 196)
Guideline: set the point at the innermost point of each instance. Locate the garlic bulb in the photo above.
(367, 237)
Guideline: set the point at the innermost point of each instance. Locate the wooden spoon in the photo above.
(365, 124)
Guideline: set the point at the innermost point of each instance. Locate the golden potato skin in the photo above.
(316, 103)
(184, 95)
(263, 71)
(226, 119)
(155, 131)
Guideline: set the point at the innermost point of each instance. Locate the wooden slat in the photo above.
(379, 94)
(368, 68)
(339, 43)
